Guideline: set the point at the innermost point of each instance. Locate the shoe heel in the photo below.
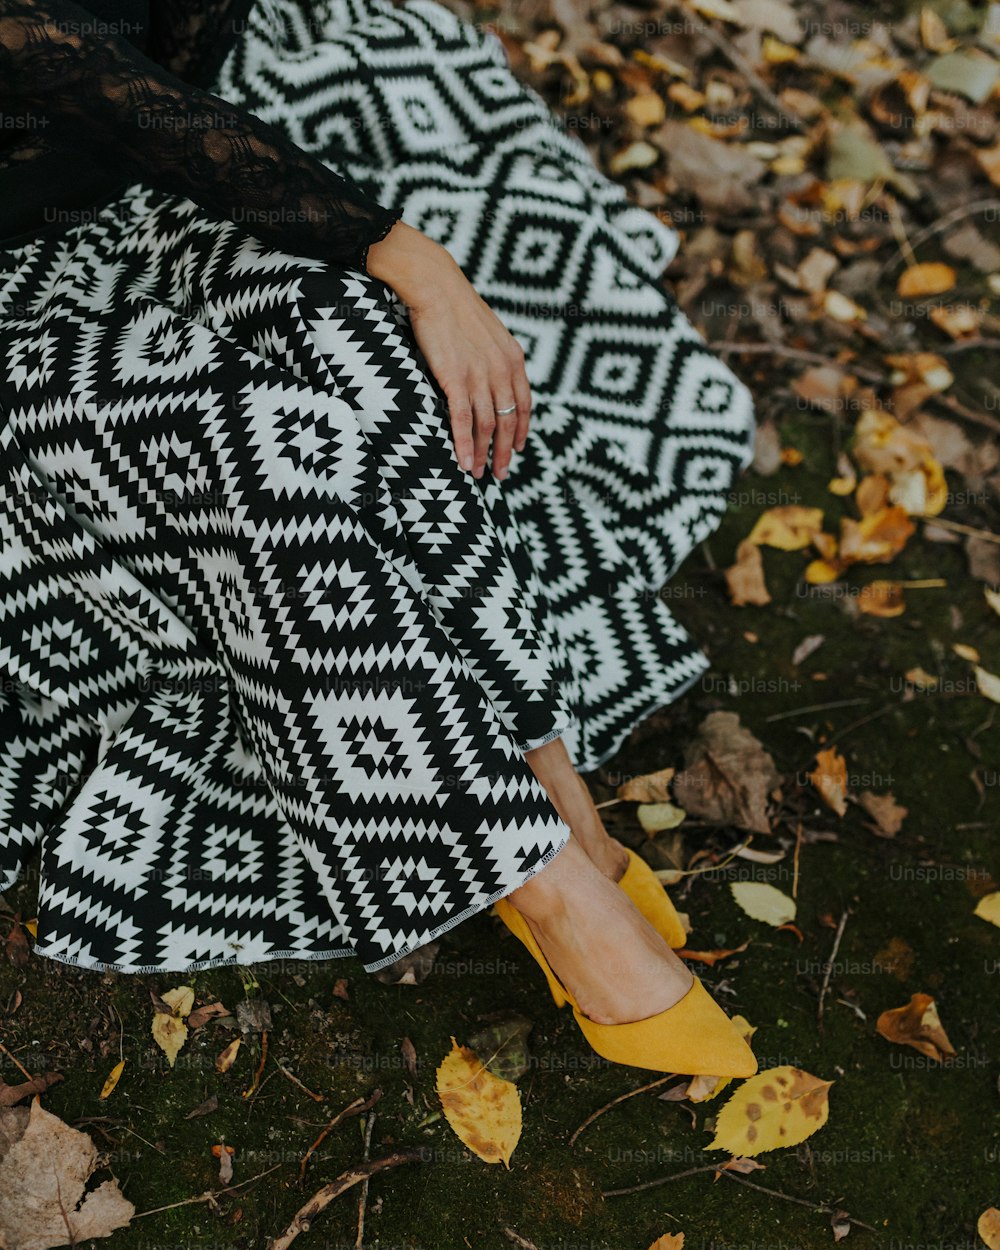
(641, 885)
(517, 924)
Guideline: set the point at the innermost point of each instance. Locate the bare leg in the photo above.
(571, 798)
(605, 952)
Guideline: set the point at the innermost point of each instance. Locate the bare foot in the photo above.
(605, 952)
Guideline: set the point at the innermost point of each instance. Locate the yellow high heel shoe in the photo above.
(640, 884)
(693, 1037)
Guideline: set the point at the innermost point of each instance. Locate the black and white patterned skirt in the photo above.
(268, 659)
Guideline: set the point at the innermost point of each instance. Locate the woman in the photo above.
(288, 673)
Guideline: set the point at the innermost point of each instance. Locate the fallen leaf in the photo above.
(988, 684)
(988, 908)
(745, 578)
(43, 1198)
(655, 817)
(763, 902)
(712, 957)
(649, 788)
(882, 599)
(226, 1057)
(728, 776)
(988, 1227)
(830, 779)
(776, 1108)
(482, 1109)
(224, 1154)
(931, 278)
(200, 1016)
(168, 1028)
(789, 527)
(114, 1076)
(210, 1104)
(885, 811)
(917, 1025)
(11, 1094)
(669, 1241)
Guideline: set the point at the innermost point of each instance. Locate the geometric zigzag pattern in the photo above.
(268, 660)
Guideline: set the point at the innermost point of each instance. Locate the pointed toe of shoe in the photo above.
(694, 1037)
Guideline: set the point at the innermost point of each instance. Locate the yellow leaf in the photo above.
(927, 279)
(669, 1241)
(789, 528)
(988, 908)
(32, 927)
(882, 598)
(819, 572)
(745, 578)
(988, 1227)
(655, 817)
(921, 678)
(841, 308)
(484, 1110)
(965, 652)
(992, 598)
(170, 1034)
(646, 109)
(763, 902)
(722, 9)
(917, 1024)
(180, 1001)
(639, 155)
(776, 52)
(225, 1059)
(830, 779)
(776, 1108)
(108, 1088)
(988, 683)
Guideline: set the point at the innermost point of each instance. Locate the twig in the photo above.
(795, 861)
(17, 1064)
(248, 1093)
(517, 1239)
(816, 707)
(986, 535)
(363, 1200)
(740, 63)
(295, 1081)
(208, 1196)
(352, 1108)
(615, 1101)
(303, 1218)
(660, 1180)
(829, 968)
(942, 223)
(969, 344)
(802, 1202)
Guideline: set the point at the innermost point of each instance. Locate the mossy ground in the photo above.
(911, 1147)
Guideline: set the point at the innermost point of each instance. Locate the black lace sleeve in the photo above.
(54, 57)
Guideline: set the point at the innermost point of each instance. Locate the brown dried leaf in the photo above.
(728, 775)
(44, 1173)
(917, 1025)
(885, 811)
(745, 578)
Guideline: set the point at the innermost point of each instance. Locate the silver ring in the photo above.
(502, 412)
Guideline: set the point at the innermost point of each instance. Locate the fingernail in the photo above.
(502, 474)
(466, 463)
(478, 472)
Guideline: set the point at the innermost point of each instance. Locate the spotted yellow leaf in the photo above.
(988, 908)
(169, 1030)
(669, 1241)
(180, 1001)
(774, 1109)
(483, 1109)
(988, 1227)
(763, 902)
(108, 1088)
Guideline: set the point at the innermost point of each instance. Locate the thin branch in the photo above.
(802, 1202)
(303, 1218)
(363, 1200)
(621, 1098)
(353, 1108)
(208, 1196)
(829, 968)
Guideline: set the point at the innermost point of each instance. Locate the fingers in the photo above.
(460, 414)
(484, 424)
(522, 397)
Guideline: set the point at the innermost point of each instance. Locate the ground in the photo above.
(912, 1146)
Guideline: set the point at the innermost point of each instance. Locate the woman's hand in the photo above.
(475, 359)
